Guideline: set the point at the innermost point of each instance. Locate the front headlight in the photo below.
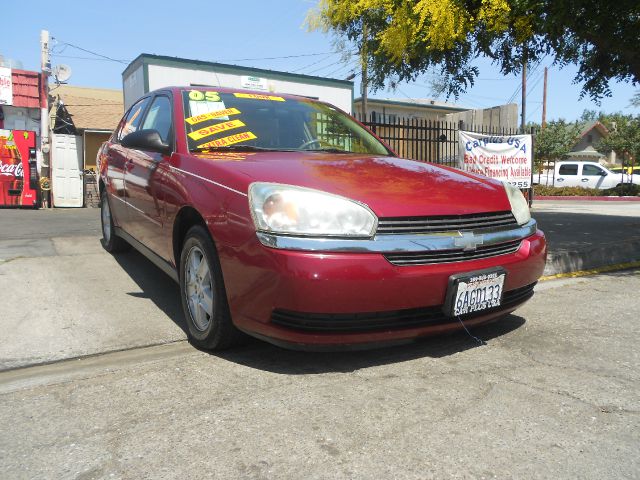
(294, 210)
(519, 205)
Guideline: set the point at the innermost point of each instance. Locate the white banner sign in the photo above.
(503, 157)
(6, 86)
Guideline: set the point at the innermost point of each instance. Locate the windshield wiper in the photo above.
(328, 150)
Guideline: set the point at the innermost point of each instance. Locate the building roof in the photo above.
(426, 103)
(588, 152)
(91, 108)
(148, 59)
(26, 87)
(597, 125)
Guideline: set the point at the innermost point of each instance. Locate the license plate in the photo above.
(474, 291)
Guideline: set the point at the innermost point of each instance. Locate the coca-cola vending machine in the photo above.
(18, 169)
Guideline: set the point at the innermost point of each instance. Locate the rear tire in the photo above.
(204, 299)
(110, 241)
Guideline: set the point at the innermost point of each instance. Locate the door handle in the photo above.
(584, 180)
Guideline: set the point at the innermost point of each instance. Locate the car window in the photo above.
(591, 170)
(571, 169)
(219, 120)
(159, 118)
(133, 118)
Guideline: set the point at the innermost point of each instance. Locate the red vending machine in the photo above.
(18, 169)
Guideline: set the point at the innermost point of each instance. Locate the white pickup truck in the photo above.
(583, 174)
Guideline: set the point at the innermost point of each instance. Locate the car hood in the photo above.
(390, 186)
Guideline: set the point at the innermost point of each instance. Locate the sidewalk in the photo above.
(584, 235)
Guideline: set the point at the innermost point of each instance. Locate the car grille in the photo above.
(446, 256)
(393, 320)
(422, 225)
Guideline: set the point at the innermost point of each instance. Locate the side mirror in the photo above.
(148, 140)
(603, 173)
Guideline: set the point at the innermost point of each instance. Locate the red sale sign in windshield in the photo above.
(503, 157)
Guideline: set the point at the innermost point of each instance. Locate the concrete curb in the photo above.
(624, 252)
(581, 198)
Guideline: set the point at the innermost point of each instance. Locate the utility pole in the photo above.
(544, 100)
(524, 93)
(45, 66)
(364, 80)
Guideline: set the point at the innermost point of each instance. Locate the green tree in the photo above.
(635, 100)
(555, 141)
(406, 38)
(623, 138)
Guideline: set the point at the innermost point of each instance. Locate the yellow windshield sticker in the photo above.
(197, 96)
(217, 128)
(257, 96)
(211, 115)
(230, 140)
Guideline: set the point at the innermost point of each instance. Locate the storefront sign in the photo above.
(6, 86)
(502, 157)
(254, 83)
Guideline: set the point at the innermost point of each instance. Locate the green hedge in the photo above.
(546, 191)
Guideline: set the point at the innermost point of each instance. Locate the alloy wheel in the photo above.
(199, 288)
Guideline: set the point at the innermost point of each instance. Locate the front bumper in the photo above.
(262, 280)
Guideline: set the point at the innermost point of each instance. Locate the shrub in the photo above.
(623, 190)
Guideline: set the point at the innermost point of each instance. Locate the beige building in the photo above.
(390, 110)
(81, 120)
(89, 113)
(584, 149)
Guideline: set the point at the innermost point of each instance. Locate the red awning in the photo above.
(27, 89)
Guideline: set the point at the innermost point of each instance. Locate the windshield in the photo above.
(241, 120)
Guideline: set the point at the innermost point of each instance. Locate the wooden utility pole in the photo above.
(45, 67)
(524, 93)
(364, 80)
(544, 100)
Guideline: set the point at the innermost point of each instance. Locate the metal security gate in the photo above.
(426, 140)
(66, 171)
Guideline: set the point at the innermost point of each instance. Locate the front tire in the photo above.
(204, 299)
(110, 241)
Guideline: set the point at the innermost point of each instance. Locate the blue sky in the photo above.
(231, 32)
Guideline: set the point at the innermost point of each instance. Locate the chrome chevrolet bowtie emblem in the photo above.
(468, 241)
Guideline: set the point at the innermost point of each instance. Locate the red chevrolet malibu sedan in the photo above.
(284, 218)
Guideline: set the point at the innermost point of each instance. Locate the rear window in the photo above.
(218, 121)
(568, 170)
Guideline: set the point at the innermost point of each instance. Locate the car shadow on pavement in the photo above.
(154, 284)
(164, 293)
(263, 356)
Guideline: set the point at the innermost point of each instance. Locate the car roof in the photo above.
(209, 88)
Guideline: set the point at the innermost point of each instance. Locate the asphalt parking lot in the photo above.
(96, 381)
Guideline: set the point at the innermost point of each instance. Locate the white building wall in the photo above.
(162, 76)
(133, 87)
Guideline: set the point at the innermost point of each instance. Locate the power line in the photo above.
(529, 74)
(348, 66)
(105, 57)
(322, 68)
(91, 52)
(312, 63)
(275, 58)
(80, 58)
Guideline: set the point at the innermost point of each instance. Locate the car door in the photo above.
(116, 158)
(144, 178)
(567, 175)
(593, 177)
